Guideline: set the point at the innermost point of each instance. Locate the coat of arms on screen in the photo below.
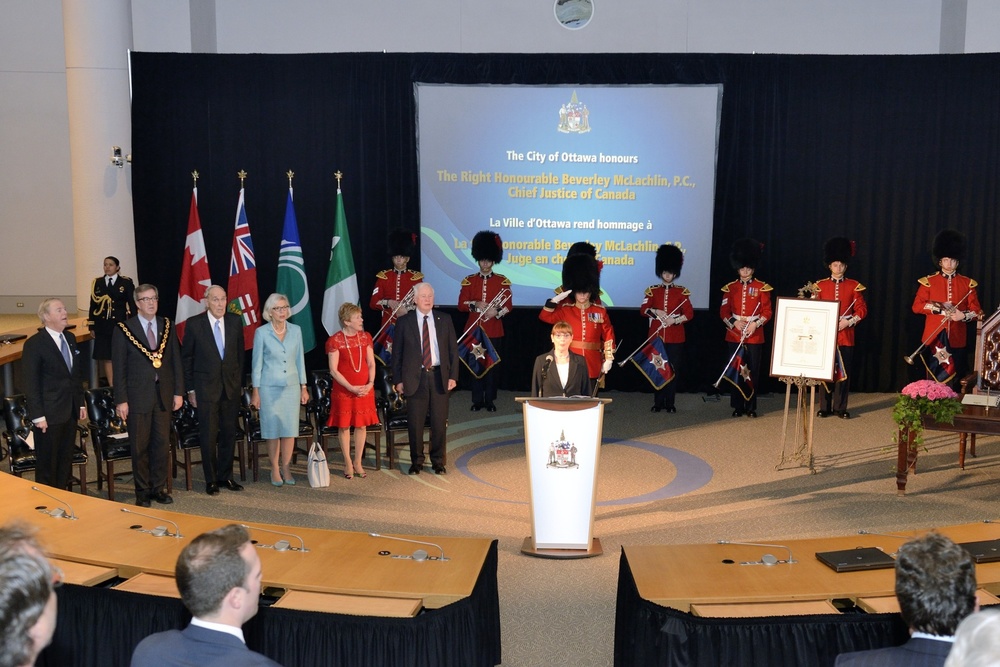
(562, 453)
(574, 117)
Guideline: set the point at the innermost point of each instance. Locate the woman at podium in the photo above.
(560, 372)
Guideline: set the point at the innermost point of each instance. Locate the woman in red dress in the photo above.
(352, 400)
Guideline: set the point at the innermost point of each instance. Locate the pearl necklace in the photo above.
(361, 356)
(283, 329)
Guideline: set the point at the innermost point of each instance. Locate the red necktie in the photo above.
(426, 344)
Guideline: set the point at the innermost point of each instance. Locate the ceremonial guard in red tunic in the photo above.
(850, 294)
(746, 307)
(593, 335)
(668, 307)
(488, 294)
(392, 295)
(950, 302)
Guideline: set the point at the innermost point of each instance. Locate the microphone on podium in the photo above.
(545, 372)
(419, 554)
(159, 531)
(766, 559)
(280, 545)
(56, 512)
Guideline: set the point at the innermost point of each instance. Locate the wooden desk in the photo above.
(975, 419)
(12, 352)
(83, 574)
(151, 584)
(357, 605)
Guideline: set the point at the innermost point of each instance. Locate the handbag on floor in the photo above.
(318, 469)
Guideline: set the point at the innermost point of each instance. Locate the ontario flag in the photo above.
(383, 344)
(244, 299)
(651, 360)
(940, 361)
(195, 278)
(477, 352)
(738, 374)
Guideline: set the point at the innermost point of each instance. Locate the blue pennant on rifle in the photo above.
(477, 352)
(939, 359)
(839, 370)
(383, 344)
(738, 374)
(652, 361)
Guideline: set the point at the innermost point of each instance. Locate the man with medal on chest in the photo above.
(149, 386)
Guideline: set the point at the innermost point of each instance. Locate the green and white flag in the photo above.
(292, 277)
(341, 279)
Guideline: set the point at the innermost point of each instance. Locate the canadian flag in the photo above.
(195, 278)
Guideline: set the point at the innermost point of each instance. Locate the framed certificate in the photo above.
(805, 339)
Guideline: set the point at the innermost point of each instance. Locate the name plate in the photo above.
(985, 400)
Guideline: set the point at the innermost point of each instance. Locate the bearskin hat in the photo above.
(580, 273)
(487, 245)
(838, 249)
(745, 252)
(582, 248)
(949, 243)
(669, 258)
(402, 242)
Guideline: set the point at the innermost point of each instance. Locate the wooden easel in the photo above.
(802, 454)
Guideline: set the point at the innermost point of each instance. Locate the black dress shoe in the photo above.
(655, 408)
(142, 502)
(752, 414)
(737, 413)
(440, 470)
(476, 407)
(231, 485)
(671, 409)
(845, 415)
(490, 407)
(162, 497)
(824, 413)
(414, 470)
(212, 489)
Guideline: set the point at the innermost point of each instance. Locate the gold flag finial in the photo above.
(290, 174)
(194, 175)
(338, 176)
(242, 175)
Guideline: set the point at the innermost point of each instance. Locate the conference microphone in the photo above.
(159, 531)
(901, 537)
(57, 512)
(766, 559)
(280, 545)
(419, 554)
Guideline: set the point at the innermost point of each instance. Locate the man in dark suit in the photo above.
(213, 357)
(936, 589)
(218, 575)
(52, 372)
(425, 369)
(149, 386)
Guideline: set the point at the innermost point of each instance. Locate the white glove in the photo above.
(608, 363)
(561, 296)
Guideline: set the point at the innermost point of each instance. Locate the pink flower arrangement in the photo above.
(928, 389)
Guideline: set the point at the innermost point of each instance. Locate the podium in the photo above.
(562, 443)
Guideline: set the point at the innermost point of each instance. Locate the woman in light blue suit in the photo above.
(279, 384)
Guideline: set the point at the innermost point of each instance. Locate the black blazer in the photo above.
(407, 357)
(135, 377)
(919, 652)
(50, 389)
(204, 371)
(577, 383)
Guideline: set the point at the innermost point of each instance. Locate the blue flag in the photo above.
(477, 352)
(939, 360)
(738, 374)
(292, 277)
(383, 344)
(652, 362)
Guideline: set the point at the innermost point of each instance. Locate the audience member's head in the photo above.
(27, 598)
(935, 584)
(977, 641)
(219, 574)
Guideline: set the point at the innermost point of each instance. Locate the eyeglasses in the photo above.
(147, 299)
(280, 308)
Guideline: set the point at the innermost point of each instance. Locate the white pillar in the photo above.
(98, 35)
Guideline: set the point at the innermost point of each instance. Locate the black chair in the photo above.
(392, 414)
(21, 457)
(322, 384)
(250, 424)
(109, 435)
(186, 441)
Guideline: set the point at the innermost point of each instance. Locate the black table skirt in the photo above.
(647, 634)
(99, 627)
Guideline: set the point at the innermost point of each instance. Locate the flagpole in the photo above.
(625, 360)
(736, 351)
(505, 293)
(944, 320)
